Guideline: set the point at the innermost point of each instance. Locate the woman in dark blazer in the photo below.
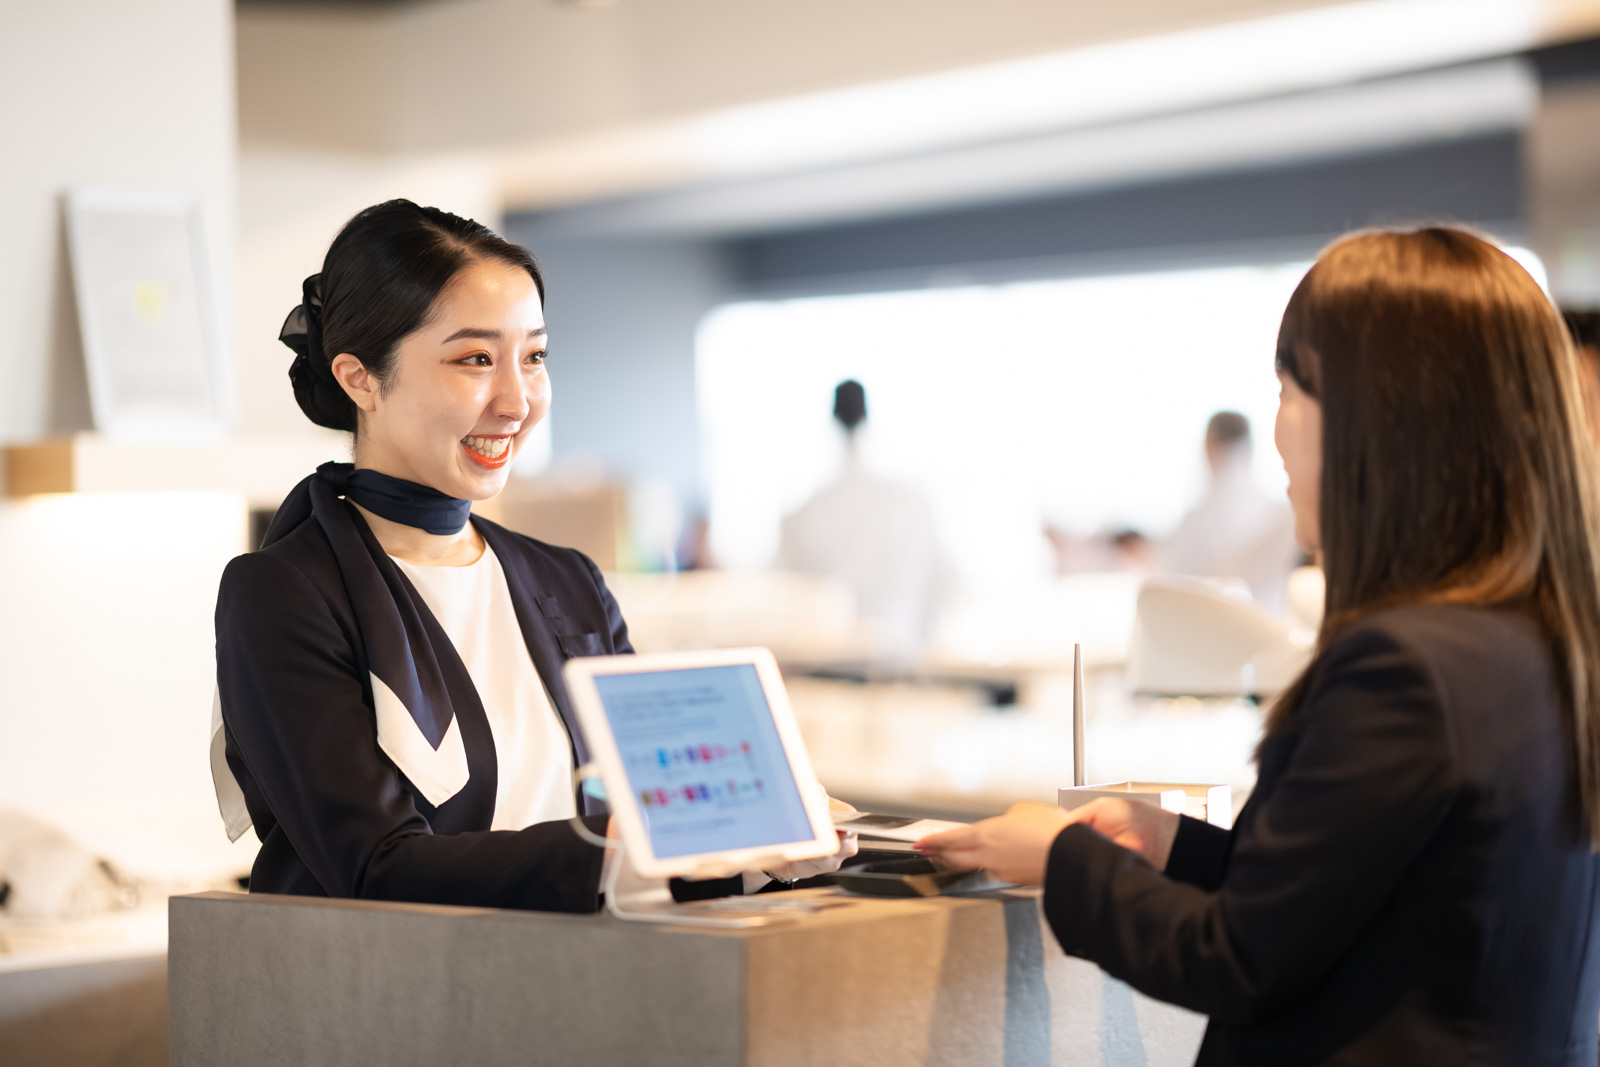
(391, 712)
(1414, 879)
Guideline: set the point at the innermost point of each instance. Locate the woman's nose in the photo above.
(511, 400)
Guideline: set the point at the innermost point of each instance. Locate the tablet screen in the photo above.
(704, 759)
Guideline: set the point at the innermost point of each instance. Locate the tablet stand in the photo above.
(654, 904)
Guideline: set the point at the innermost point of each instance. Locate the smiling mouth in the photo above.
(491, 452)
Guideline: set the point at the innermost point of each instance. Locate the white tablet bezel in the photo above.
(580, 674)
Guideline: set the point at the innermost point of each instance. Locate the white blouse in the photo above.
(473, 605)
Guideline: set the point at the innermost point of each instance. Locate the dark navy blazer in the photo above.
(1408, 883)
(335, 815)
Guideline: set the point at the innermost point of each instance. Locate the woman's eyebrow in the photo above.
(481, 334)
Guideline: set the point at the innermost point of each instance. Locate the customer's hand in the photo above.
(1015, 846)
(848, 846)
(1138, 827)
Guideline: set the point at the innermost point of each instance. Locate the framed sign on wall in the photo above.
(153, 349)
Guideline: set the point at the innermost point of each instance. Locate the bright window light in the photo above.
(1080, 403)
(1077, 402)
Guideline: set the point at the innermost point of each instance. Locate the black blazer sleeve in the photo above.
(295, 705)
(1199, 853)
(1368, 783)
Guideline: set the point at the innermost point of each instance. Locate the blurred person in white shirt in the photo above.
(877, 535)
(1236, 530)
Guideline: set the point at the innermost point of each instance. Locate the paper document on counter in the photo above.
(892, 827)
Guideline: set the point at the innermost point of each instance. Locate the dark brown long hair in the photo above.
(1456, 464)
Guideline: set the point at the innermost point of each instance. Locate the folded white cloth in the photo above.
(46, 875)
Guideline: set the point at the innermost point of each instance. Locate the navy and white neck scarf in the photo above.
(396, 499)
(408, 687)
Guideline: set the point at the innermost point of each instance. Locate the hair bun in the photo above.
(315, 389)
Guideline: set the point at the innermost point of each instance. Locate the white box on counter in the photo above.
(1209, 803)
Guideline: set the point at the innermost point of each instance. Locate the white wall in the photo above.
(137, 93)
(106, 664)
(291, 203)
(311, 77)
(107, 668)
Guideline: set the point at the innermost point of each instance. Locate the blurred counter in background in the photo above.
(260, 468)
(808, 622)
(939, 749)
(985, 718)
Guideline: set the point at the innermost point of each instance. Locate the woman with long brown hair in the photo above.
(1414, 879)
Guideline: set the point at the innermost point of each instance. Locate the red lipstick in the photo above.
(489, 440)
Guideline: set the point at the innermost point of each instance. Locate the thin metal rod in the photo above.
(1078, 776)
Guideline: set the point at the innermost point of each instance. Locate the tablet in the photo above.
(703, 764)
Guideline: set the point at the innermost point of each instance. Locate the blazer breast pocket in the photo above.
(575, 645)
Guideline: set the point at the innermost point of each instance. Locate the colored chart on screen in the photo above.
(704, 759)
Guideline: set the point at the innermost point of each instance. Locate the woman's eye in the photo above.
(536, 358)
(477, 359)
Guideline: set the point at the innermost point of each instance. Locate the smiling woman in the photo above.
(451, 401)
(393, 718)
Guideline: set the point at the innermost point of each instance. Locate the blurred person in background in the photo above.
(694, 548)
(1416, 877)
(1131, 551)
(877, 535)
(1124, 550)
(1236, 531)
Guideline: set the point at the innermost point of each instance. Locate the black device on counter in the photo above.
(918, 876)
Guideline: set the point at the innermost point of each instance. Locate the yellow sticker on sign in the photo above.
(150, 301)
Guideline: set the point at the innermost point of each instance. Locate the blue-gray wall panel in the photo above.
(1473, 180)
(622, 318)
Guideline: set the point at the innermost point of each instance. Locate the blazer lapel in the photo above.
(536, 614)
(470, 805)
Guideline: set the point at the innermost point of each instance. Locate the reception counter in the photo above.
(258, 980)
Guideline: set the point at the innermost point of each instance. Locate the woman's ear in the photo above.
(359, 383)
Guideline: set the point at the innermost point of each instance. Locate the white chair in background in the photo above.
(1307, 594)
(1193, 637)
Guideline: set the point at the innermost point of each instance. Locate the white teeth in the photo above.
(488, 447)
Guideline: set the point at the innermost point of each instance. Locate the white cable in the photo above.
(579, 776)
